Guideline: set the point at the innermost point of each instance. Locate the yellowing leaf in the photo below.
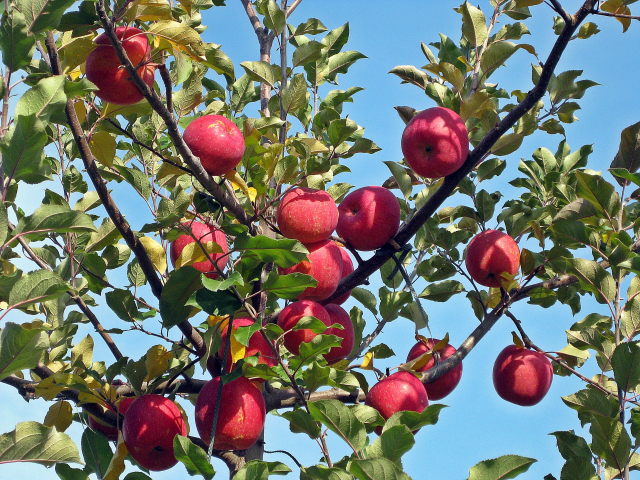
(93, 397)
(179, 36)
(103, 147)
(314, 145)
(516, 340)
(156, 361)
(81, 111)
(116, 466)
(213, 320)
(74, 51)
(494, 297)
(56, 383)
(238, 350)
(82, 353)
(618, 7)
(149, 10)
(156, 253)
(508, 281)
(239, 184)
(193, 253)
(367, 361)
(60, 415)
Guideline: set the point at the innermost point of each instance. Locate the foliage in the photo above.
(578, 229)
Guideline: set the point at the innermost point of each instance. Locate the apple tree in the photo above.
(96, 101)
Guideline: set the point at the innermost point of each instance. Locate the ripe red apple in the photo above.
(289, 317)
(257, 344)
(369, 218)
(347, 268)
(205, 233)
(444, 385)
(522, 376)
(217, 141)
(338, 315)
(241, 417)
(489, 254)
(435, 143)
(104, 69)
(307, 214)
(324, 264)
(107, 430)
(397, 392)
(148, 429)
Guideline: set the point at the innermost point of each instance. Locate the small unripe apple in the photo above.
(338, 315)
(148, 429)
(204, 233)
(347, 268)
(241, 417)
(216, 141)
(395, 393)
(104, 69)
(257, 344)
(435, 143)
(291, 315)
(369, 218)
(324, 264)
(522, 376)
(307, 214)
(444, 385)
(490, 254)
(107, 430)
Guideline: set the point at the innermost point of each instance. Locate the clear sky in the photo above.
(478, 425)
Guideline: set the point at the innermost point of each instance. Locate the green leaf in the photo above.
(593, 278)
(20, 348)
(340, 420)
(392, 444)
(474, 26)
(402, 177)
(177, 291)
(65, 472)
(442, 291)
(590, 403)
(43, 15)
(628, 156)
(261, 72)
(307, 53)
(284, 252)
(274, 18)
(626, 365)
(16, 45)
(96, 452)
(294, 95)
(495, 55)
(366, 298)
(340, 63)
(322, 472)
(193, 457)
(415, 420)
(491, 168)
(602, 194)
(506, 466)
(610, 441)
(376, 469)
(34, 442)
(54, 218)
(37, 286)
(412, 75)
(123, 304)
(219, 303)
(572, 446)
(107, 234)
(300, 421)
(336, 39)
(137, 179)
(392, 302)
(22, 148)
(44, 99)
(485, 205)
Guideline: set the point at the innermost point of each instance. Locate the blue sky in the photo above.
(478, 425)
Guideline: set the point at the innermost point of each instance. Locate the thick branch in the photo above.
(561, 11)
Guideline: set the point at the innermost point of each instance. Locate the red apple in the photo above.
(490, 254)
(204, 233)
(347, 268)
(289, 317)
(241, 417)
(369, 218)
(324, 264)
(257, 344)
(107, 430)
(217, 141)
(397, 392)
(444, 385)
(522, 376)
(104, 69)
(307, 214)
(338, 315)
(435, 143)
(148, 429)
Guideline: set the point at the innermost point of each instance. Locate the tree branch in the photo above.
(110, 206)
(561, 11)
